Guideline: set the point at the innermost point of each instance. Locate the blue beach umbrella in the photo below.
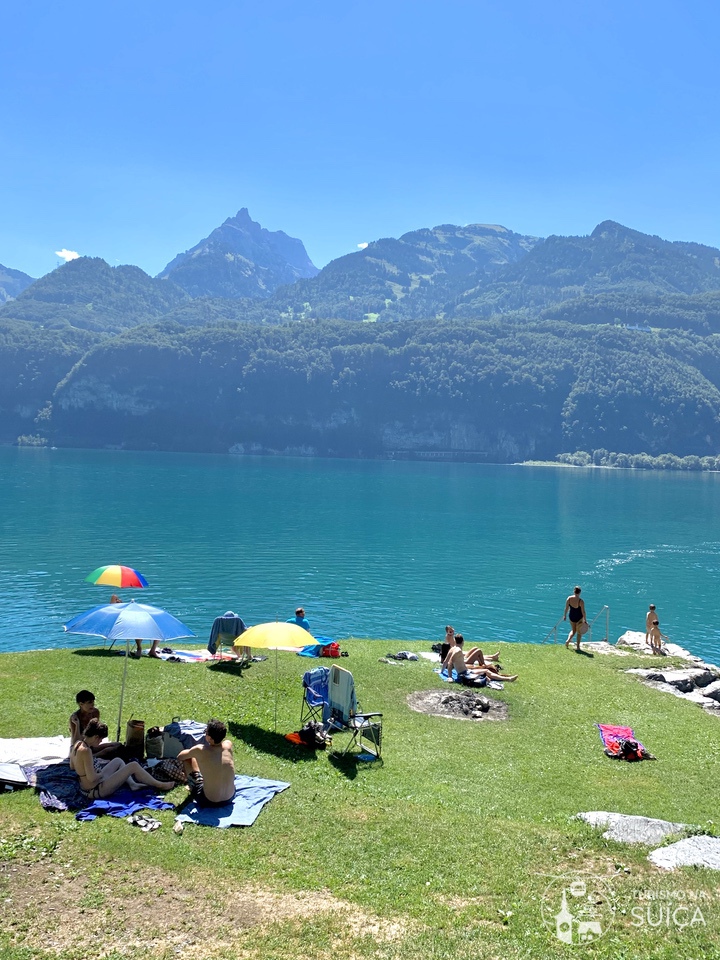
(127, 621)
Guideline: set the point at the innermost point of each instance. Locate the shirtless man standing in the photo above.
(210, 767)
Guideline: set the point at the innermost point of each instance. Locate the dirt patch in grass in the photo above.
(465, 705)
(51, 908)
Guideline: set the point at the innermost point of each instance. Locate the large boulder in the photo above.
(626, 828)
(690, 852)
(712, 691)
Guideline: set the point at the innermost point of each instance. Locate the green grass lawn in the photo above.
(443, 850)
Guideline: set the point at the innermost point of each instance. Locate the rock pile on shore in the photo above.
(699, 682)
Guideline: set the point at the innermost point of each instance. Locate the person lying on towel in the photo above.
(455, 660)
(210, 767)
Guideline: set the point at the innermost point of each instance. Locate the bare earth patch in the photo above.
(464, 705)
(50, 907)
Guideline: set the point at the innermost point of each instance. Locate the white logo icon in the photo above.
(578, 911)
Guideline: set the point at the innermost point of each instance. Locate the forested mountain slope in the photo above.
(472, 390)
(12, 283)
(88, 294)
(612, 260)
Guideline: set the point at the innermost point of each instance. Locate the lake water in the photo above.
(370, 549)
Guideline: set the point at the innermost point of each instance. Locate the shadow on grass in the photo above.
(586, 653)
(266, 741)
(100, 652)
(230, 667)
(350, 764)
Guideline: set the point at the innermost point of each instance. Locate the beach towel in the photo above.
(123, 803)
(492, 684)
(29, 750)
(621, 744)
(60, 791)
(57, 784)
(251, 795)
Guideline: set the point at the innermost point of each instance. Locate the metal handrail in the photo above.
(552, 632)
(606, 611)
(588, 637)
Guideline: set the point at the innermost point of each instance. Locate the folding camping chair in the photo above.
(315, 695)
(343, 714)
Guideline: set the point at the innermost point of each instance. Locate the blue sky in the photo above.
(130, 130)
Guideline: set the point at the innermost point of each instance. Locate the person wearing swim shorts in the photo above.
(575, 607)
(455, 660)
(99, 782)
(210, 767)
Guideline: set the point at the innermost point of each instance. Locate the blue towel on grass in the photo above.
(251, 795)
(443, 674)
(124, 803)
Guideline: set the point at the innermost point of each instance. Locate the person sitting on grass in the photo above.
(300, 619)
(455, 660)
(210, 767)
(98, 782)
(79, 720)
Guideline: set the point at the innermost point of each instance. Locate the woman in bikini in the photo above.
(576, 608)
(97, 780)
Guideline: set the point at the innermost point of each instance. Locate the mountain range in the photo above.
(613, 275)
(466, 342)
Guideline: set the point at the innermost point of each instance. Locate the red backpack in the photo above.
(330, 650)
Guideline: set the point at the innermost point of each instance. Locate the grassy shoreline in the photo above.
(443, 851)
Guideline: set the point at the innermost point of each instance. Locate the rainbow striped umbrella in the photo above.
(117, 576)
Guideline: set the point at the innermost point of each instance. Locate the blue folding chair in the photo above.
(315, 695)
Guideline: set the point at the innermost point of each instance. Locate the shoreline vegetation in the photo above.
(580, 458)
(641, 461)
(369, 861)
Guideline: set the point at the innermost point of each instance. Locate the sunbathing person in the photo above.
(98, 782)
(210, 767)
(476, 656)
(79, 720)
(455, 660)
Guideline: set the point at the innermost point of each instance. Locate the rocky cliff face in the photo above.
(240, 259)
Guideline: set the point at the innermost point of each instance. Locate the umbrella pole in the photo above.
(122, 690)
(276, 686)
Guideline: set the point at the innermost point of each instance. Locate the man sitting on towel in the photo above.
(210, 767)
(467, 673)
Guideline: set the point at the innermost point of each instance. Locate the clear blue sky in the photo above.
(130, 130)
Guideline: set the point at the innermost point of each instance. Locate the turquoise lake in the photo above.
(392, 550)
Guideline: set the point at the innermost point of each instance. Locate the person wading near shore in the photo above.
(575, 607)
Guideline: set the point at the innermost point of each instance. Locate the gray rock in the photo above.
(690, 852)
(626, 828)
(712, 691)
